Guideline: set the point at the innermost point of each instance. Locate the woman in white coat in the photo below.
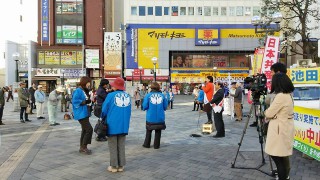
(280, 136)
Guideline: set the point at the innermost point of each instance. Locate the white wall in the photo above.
(187, 19)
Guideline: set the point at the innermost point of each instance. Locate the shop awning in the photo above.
(39, 78)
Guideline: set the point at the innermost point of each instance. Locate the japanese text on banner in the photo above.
(270, 57)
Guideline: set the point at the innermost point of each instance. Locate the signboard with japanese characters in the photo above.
(48, 72)
(270, 57)
(92, 58)
(68, 57)
(307, 131)
(304, 75)
(52, 57)
(73, 73)
(207, 37)
(112, 53)
(45, 20)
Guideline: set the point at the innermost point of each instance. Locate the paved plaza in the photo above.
(37, 151)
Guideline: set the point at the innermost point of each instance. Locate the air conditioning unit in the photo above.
(304, 62)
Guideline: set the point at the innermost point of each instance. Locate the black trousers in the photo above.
(170, 104)
(201, 106)
(86, 133)
(141, 103)
(218, 122)
(10, 96)
(195, 103)
(157, 138)
(209, 115)
(23, 111)
(282, 164)
(1, 113)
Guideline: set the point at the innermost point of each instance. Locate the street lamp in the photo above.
(264, 23)
(132, 77)
(140, 69)
(15, 57)
(154, 61)
(215, 70)
(62, 71)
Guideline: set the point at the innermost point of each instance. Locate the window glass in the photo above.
(239, 11)
(223, 11)
(133, 10)
(69, 22)
(158, 10)
(150, 11)
(247, 11)
(256, 11)
(199, 11)
(142, 10)
(238, 60)
(174, 10)
(191, 11)
(183, 11)
(166, 11)
(215, 11)
(207, 11)
(232, 11)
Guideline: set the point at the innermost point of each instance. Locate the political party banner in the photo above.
(307, 131)
(112, 53)
(304, 75)
(270, 56)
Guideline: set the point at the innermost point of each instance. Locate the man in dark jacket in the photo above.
(238, 101)
(32, 90)
(217, 101)
(101, 96)
(2, 102)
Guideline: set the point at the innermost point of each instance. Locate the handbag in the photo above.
(100, 128)
(28, 110)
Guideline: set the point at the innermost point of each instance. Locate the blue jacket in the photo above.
(201, 96)
(80, 111)
(155, 103)
(39, 96)
(116, 110)
(166, 95)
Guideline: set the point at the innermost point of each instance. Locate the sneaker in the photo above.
(112, 169)
(120, 168)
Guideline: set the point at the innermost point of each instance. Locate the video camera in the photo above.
(258, 86)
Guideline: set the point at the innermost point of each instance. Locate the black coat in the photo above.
(31, 92)
(217, 97)
(101, 95)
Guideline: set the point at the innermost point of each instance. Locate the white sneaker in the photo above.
(120, 168)
(112, 169)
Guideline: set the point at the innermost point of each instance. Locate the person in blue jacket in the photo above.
(166, 94)
(155, 103)
(200, 98)
(116, 112)
(80, 105)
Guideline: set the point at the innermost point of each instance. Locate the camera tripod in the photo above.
(256, 108)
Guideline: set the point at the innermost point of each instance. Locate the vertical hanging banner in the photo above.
(112, 54)
(270, 56)
(45, 20)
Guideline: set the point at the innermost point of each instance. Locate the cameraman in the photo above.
(279, 143)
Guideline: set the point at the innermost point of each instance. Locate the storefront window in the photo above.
(183, 11)
(174, 10)
(158, 10)
(134, 10)
(166, 11)
(207, 11)
(69, 22)
(215, 11)
(238, 61)
(142, 10)
(223, 11)
(190, 11)
(232, 11)
(200, 11)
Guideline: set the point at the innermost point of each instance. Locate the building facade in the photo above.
(189, 39)
(70, 41)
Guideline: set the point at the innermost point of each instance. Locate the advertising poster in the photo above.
(40, 57)
(207, 37)
(92, 58)
(79, 57)
(52, 57)
(305, 76)
(68, 57)
(307, 131)
(270, 57)
(112, 53)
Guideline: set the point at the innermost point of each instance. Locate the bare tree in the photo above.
(300, 18)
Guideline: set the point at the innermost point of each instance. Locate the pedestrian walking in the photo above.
(53, 101)
(80, 102)
(155, 103)
(279, 115)
(217, 100)
(200, 98)
(10, 93)
(143, 93)
(208, 89)
(2, 102)
(136, 96)
(32, 90)
(171, 99)
(116, 112)
(238, 101)
(39, 96)
(195, 95)
(23, 95)
(102, 93)
(64, 105)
